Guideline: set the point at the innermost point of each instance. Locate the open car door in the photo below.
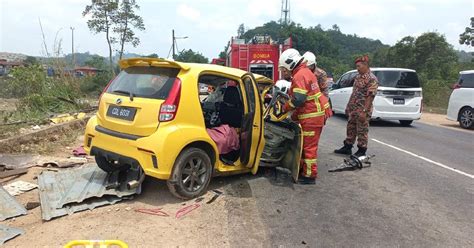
(283, 137)
(251, 135)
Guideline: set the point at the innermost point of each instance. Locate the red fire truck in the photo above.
(259, 55)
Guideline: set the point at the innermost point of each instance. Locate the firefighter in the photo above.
(310, 110)
(321, 75)
(359, 108)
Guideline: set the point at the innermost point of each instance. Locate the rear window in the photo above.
(146, 82)
(467, 80)
(397, 79)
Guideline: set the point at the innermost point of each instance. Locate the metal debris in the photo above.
(152, 211)
(9, 207)
(78, 189)
(7, 233)
(19, 187)
(9, 173)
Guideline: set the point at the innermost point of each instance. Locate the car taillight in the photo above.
(105, 89)
(169, 108)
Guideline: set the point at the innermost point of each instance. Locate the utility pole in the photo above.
(174, 41)
(72, 48)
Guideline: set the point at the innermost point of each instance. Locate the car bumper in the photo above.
(395, 115)
(141, 151)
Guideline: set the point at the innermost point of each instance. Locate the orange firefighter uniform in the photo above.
(311, 109)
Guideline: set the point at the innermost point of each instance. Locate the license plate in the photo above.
(124, 113)
(397, 101)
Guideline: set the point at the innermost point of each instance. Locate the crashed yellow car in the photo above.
(151, 116)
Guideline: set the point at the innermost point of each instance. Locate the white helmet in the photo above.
(283, 85)
(310, 58)
(289, 59)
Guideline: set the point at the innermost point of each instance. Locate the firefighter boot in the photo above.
(360, 152)
(306, 180)
(346, 149)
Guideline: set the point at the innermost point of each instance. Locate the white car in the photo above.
(399, 95)
(461, 102)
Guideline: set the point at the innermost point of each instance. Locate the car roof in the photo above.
(385, 69)
(467, 72)
(125, 63)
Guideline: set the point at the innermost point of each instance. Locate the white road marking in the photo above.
(426, 159)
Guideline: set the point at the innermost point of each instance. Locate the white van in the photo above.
(461, 102)
(399, 95)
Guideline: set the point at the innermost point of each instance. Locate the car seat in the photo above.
(231, 109)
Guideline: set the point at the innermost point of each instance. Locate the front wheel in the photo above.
(191, 174)
(466, 118)
(406, 123)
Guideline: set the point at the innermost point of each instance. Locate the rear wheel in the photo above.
(406, 123)
(466, 118)
(109, 166)
(191, 174)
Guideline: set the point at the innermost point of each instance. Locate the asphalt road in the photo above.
(419, 192)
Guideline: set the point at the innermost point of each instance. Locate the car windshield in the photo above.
(146, 82)
(397, 79)
(467, 80)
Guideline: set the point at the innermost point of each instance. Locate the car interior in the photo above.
(223, 106)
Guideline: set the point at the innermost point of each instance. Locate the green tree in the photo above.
(124, 21)
(402, 54)
(191, 56)
(96, 61)
(434, 56)
(467, 38)
(30, 60)
(102, 14)
(223, 53)
(153, 55)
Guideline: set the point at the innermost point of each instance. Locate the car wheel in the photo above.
(108, 166)
(405, 123)
(191, 174)
(466, 118)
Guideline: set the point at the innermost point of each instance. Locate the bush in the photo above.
(93, 85)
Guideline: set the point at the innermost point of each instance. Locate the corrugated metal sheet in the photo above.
(78, 189)
(9, 207)
(7, 233)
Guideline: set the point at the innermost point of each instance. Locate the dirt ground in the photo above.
(440, 120)
(213, 224)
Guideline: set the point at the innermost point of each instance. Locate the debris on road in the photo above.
(152, 211)
(67, 117)
(79, 151)
(19, 187)
(7, 233)
(217, 193)
(73, 190)
(186, 210)
(32, 205)
(9, 173)
(10, 161)
(9, 207)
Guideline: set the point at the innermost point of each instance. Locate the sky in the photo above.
(209, 24)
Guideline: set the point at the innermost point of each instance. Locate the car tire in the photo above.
(406, 123)
(108, 166)
(191, 174)
(466, 118)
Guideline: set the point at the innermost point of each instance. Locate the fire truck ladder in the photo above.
(244, 57)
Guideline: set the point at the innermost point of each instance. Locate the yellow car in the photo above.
(151, 116)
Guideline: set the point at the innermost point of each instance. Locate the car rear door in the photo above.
(251, 134)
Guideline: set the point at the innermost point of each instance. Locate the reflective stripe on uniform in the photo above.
(308, 163)
(326, 106)
(310, 133)
(291, 104)
(310, 115)
(299, 90)
(314, 97)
